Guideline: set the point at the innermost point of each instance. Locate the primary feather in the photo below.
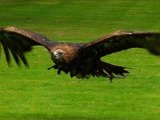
(18, 41)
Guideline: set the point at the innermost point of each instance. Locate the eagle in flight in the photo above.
(78, 59)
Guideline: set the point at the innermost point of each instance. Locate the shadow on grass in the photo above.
(44, 117)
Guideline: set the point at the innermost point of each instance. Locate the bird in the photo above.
(81, 60)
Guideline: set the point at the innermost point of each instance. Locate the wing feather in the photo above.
(5, 48)
(17, 41)
(121, 40)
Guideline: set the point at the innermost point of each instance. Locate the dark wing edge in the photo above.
(121, 40)
(17, 41)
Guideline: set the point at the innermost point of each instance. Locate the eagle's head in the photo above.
(63, 54)
(57, 55)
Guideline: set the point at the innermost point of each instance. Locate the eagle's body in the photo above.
(79, 59)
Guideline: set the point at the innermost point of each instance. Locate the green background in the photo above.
(39, 94)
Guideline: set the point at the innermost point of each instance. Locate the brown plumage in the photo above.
(79, 59)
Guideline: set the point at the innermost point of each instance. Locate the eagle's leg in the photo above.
(60, 68)
(101, 72)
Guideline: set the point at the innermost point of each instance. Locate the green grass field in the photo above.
(39, 94)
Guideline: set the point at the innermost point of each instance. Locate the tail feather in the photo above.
(110, 71)
(114, 69)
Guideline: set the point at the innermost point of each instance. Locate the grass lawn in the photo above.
(39, 94)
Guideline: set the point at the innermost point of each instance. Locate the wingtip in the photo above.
(154, 45)
(155, 51)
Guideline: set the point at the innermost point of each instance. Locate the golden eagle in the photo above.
(79, 59)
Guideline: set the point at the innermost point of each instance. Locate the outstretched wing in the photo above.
(17, 41)
(121, 40)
